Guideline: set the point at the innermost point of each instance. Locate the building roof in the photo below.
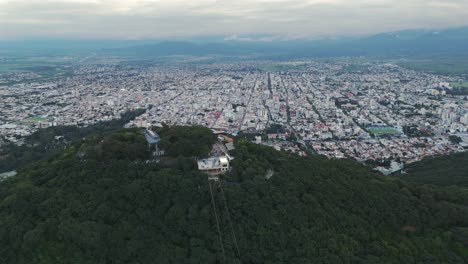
(208, 164)
(230, 146)
(212, 163)
(152, 137)
(223, 159)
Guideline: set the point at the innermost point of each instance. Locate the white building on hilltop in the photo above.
(214, 165)
(153, 139)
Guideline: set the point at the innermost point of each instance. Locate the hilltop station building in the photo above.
(214, 165)
(153, 139)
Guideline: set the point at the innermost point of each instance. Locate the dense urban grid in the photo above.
(377, 113)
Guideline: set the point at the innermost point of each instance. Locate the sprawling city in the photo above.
(233, 132)
(378, 112)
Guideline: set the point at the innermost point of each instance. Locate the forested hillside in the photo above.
(441, 170)
(194, 141)
(47, 142)
(100, 201)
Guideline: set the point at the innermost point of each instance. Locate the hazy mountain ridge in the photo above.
(406, 43)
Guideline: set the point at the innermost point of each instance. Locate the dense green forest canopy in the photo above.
(101, 201)
(49, 141)
(194, 141)
(440, 170)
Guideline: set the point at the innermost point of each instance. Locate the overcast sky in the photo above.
(156, 19)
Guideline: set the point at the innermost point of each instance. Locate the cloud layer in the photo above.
(152, 19)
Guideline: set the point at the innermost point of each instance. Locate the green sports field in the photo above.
(376, 131)
(36, 119)
(459, 84)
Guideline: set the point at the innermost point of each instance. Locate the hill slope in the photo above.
(47, 142)
(100, 202)
(441, 171)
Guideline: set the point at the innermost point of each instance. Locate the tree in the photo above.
(455, 139)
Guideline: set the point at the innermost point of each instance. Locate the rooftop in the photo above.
(152, 137)
(213, 163)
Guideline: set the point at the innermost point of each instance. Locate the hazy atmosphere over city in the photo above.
(278, 19)
(229, 132)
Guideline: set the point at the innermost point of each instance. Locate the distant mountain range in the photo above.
(408, 43)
